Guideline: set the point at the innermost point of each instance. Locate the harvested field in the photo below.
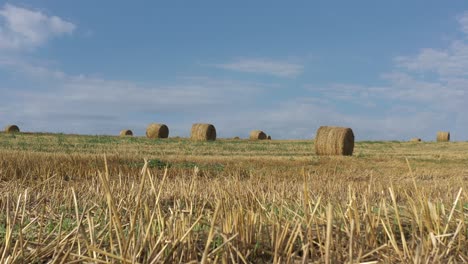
(96, 199)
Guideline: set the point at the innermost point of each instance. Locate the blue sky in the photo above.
(390, 70)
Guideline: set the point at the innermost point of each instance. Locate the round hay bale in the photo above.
(12, 129)
(269, 137)
(415, 140)
(257, 135)
(443, 136)
(126, 132)
(203, 132)
(334, 141)
(236, 138)
(155, 130)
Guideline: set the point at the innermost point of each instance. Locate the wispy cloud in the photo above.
(463, 21)
(423, 93)
(84, 104)
(22, 28)
(448, 62)
(264, 66)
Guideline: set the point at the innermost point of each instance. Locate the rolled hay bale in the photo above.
(236, 138)
(443, 136)
(155, 130)
(203, 132)
(12, 129)
(126, 132)
(334, 141)
(257, 135)
(415, 140)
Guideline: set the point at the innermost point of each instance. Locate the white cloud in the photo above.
(301, 117)
(463, 21)
(436, 77)
(424, 93)
(22, 28)
(406, 108)
(449, 62)
(264, 66)
(62, 102)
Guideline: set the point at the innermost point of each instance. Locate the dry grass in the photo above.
(334, 141)
(203, 132)
(62, 200)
